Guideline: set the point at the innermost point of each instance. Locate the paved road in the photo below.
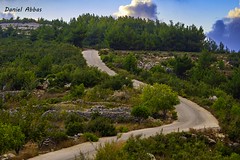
(190, 115)
(94, 60)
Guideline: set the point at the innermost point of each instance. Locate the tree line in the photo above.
(121, 34)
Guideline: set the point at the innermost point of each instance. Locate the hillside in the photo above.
(51, 99)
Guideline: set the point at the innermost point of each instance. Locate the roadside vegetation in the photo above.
(174, 146)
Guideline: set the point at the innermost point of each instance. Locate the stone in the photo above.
(213, 98)
(151, 156)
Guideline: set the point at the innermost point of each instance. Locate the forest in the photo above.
(125, 33)
(43, 71)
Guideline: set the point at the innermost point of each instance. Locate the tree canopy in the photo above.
(159, 97)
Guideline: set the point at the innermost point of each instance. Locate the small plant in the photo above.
(77, 91)
(102, 126)
(90, 137)
(123, 129)
(141, 111)
(74, 128)
(174, 115)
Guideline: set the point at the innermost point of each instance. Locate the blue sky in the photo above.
(199, 12)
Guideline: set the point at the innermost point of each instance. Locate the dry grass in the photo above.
(30, 150)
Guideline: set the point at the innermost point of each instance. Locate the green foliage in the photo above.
(159, 97)
(58, 136)
(88, 76)
(101, 126)
(111, 151)
(182, 64)
(117, 82)
(130, 63)
(234, 84)
(73, 117)
(98, 93)
(90, 137)
(77, 91)
(24, 62)
(206, 59)
(123, 33)
(122, 129)
(172, 146)
(11, 137)
(141, 111)
(74, 128)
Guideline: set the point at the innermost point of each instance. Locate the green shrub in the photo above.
(123, 129)
(77, 91)
(174, 115)
(54, 100)
(117, 82)
(89, 77)
(102, 126)
(58, 136)
(73, 117)
(141, 111)
(111, 151)
(90, 137)
(74, 128)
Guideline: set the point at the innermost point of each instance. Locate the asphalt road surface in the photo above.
(190, 115)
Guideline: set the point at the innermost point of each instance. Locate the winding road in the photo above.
(190, 115)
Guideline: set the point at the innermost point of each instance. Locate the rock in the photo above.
(8, 156)
(220, 135)
(235, 145)
(46, 84)
(213, 98)
(68, 86)
(210, 140)
(152, 157)
(183, 138)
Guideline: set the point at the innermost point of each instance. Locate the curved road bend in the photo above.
(190, 115)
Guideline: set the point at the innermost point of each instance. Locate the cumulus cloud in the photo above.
(6, 15)
(139, 8)
(227, 30)
(235, 13)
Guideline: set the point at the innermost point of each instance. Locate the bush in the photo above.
(90, 137)
(89, 77)
(58, 136)
(102, 126)
(77, 91)
(123, 129)
(117, 82)
(111, 151)
(74, 117)
(141, 112)
(174, 115)
(74, 128)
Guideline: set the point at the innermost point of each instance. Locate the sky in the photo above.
(210, 14)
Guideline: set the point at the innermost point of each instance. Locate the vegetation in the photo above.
(172, 146)
(11, 137)
(102, 126)
(90, 137)
(159, 97)
(41, 68)
(141, 111)
(197, 76)
(94, 31)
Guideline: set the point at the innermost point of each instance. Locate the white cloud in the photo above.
(139, 8)
(235, 13)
